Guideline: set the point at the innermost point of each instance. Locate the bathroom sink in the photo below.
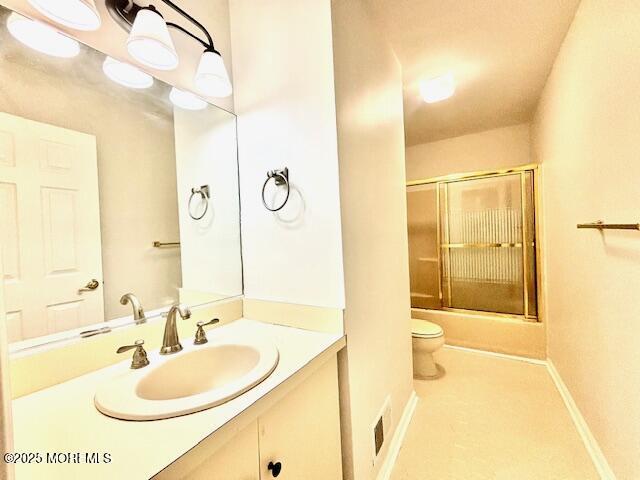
(197, 378)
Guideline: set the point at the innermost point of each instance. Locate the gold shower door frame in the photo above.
(445, 248)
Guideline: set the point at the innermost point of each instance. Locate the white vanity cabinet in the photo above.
(300, 432)
(236, 460)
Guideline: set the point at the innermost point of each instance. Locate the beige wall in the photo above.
(286, 118)
(136, 171)
(377, 364)
(488, 150)
(586, 134)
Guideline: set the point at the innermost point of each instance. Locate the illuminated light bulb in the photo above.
(150, 42)
(41, 37)
(125, 74)
(438, 88)
(76, 14)
(211, 77)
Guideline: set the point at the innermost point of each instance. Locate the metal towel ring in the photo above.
(203, 191)
(280, 177)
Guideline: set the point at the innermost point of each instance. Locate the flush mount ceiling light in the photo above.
(150, 43)
(41, 37)
(125, 74)
(186, 100)
(438, 88)
(76, 14)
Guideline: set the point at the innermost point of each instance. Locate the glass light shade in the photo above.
(125, 74)
(150, 43)
(76, 14)
(41, 37)
(438, 88)
(211, 77)
(186, 100)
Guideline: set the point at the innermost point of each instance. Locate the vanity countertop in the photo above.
(63, 420)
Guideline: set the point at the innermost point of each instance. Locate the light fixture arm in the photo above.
(195, 37)
(124, 13)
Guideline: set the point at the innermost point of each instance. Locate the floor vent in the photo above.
(380, 427)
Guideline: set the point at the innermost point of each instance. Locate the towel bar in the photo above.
(600, 225)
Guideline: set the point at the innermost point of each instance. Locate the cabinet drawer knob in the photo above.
(275, 468)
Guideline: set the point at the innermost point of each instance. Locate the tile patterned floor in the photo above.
(491, 418)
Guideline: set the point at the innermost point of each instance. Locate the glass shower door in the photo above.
(486, 240)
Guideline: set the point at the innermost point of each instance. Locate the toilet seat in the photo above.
(425, 329)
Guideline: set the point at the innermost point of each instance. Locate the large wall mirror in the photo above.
(108, 190)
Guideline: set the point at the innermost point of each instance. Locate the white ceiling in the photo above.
(500, 51)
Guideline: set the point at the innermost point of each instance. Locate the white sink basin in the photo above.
(197, 378)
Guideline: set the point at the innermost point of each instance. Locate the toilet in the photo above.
(427, 337)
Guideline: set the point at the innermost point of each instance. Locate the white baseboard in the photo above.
(590, 443)
(517, 358)
(398, 438)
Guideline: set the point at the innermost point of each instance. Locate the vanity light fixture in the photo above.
(76, 14)
(211, 77)
(125, 74)
(150, 43)
(41, 37)
(186, 100)
(438, 88)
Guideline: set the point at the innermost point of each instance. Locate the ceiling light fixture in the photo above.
(438, 88)
(41, 37)
(150, 43)
(76, 14)
(125, 74)
(186, 100)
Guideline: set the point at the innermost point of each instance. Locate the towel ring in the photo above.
(280, 177)
(203, 191)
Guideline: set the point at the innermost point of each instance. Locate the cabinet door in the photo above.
(302, 431)
(236, 460)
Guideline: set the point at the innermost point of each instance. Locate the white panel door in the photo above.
(50, 235)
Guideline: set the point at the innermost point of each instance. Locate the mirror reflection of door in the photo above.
(50, 236)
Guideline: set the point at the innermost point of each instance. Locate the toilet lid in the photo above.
(422, 328)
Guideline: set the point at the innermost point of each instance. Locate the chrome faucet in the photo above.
(138, 311)
(170, 341)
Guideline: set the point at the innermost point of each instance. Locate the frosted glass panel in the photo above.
(469, 240)
(423, 246)
(488, 279)
(482, 247)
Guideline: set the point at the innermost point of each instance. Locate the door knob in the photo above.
(92, 285)
(275, 468)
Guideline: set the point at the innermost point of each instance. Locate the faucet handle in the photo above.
(201, 336)
(139, 356)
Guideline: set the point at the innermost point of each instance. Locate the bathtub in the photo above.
(489, 332)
